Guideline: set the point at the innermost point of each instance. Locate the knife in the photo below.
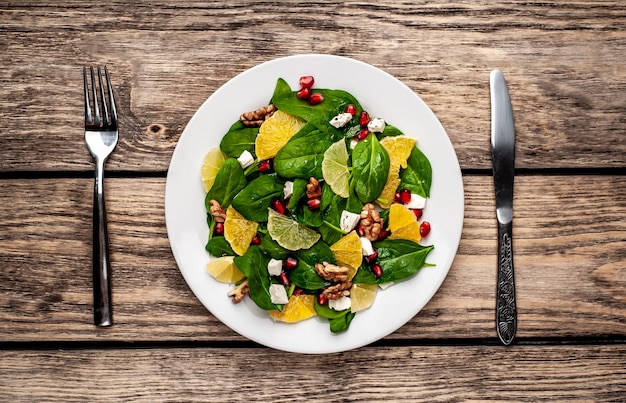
(503, 158)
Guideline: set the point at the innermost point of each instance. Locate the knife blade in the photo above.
(503, 159)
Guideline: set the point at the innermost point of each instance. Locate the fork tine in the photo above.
(88, 116)
(111, 98)
(105, 109)
(97, 120)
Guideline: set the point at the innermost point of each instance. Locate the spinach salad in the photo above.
(314, 205)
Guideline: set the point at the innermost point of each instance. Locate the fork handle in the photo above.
(101, 264)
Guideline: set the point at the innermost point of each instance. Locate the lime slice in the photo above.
(288, 233)
(335, 168)
(212, 162)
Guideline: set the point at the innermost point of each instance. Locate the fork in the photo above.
(101, 136)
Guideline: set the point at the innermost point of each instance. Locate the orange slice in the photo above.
(275, 132)
(399, 149)
(403, 224)
(239, 231)
(348, 252)
(298, 308)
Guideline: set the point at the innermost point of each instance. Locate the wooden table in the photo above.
(565, 65)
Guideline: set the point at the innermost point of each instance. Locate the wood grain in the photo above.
(569, 245)
(421, 373)
(563, 62)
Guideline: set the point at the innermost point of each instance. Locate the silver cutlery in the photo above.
(503, 158)
(101, 136)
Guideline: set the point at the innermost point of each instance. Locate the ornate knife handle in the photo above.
(506, 310)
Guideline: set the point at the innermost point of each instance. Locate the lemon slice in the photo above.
(335, 168)
(275, 132)
(298, 308)
(212, 162)
(348, 252)
(223, 269)
(239, 231)
(403, 224)
(288, 233)
(362, 296)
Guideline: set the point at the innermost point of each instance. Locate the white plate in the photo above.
(383, 96)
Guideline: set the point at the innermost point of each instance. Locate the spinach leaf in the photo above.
(391, 131)
(305, 276)
(238, 139)
(332, 206)
(342, 323)
(326, 312)
(281, 88)
(370, 166)
(399, 259)
(319, 115)
(254, 265)
(302, 156)
(229, 181)
(218, 246)
(418, 175)
(272, 248)
(299, 190)
(253, 201)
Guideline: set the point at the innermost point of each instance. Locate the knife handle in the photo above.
(506, 310)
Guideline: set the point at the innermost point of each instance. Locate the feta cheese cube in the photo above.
(366, 246)
(353, 144)
(245, 159)
(275, 267)
(278, 294)
(376, 125)
(288, 189)
(340, 120)
(417, 201)
(349, 221)
(340, 304)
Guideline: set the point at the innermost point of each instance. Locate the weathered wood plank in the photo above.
(420, 373)
(563, 61)
(570, 254)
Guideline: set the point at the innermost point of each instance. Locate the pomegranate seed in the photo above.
(418, 213)
(383, 234)
(316, 98)
(307, 82)
(265, 166)
(278, 205)
(351, 109)
(403, 196)
(360, 230)
(377, 270)
(362, 134)
(291, 263)
(304, 93)
(284, 279)
(219, 228)
(364, 119)
(424, 228)
(298, 291)
(372, 258)
(321, 299)
(314, 204)
(256, 240)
